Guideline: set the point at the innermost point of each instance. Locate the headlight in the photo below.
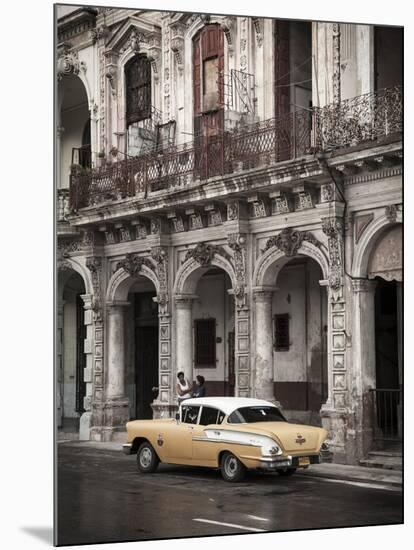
(324, 446)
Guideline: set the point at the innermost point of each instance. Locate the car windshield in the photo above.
(256, 414)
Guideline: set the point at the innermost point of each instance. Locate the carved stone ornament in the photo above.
(237, 242)
(229, 25)
(94, 264)
(204, 253)
(391, 213)
(132, 264)
(68, 63)
(99, 33)
(258, 27)
(332, 227)
(289, 241)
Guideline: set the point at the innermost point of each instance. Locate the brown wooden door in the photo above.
(208, 100)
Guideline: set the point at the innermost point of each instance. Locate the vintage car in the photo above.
(230, 433)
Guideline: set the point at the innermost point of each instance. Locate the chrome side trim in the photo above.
(213, 440)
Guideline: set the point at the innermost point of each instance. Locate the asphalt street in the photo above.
(103, 498)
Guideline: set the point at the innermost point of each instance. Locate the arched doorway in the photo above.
(142, 350)
(74, 143)
(71, 385)
(205, 324)
(299, 339)
(385, 268)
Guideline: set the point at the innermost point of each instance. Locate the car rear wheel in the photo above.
(147, 458)
(287, 472)
(231, 468)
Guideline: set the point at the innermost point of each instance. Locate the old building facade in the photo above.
(229, 203)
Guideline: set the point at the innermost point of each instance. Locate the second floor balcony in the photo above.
(361, 121)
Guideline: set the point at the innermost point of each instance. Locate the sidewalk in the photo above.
(344, 472)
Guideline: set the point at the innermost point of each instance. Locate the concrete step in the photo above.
(68, 436)
(391, 454)
(385, 462)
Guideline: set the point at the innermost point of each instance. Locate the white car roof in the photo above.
(227, 404)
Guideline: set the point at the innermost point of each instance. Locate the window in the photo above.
(138, 89)
(205, 343)
(208, 65)
(282, 339)
(256, 414)
(209, 415)
(189, 414)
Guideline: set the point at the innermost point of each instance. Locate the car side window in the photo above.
(221, 417)
(208, 416)
(189, 414)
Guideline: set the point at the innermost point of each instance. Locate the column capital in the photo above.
(263, 293)
(184, 301)
(117, 303)
(87, 300)
(363, 285)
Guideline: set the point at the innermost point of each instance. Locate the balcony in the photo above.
(357, 121)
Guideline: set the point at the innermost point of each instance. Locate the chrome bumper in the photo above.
(280, 463)
(127, 448)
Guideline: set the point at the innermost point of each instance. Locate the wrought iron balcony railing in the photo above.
(366, 117)
(290, 136)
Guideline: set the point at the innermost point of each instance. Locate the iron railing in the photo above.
(387, 413)
(294, 135)
(363, 118)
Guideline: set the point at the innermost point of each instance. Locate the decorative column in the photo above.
(116, 407)
(184, 334)
(85, 419)
(363, 354)
(59, 370)
(263, 360)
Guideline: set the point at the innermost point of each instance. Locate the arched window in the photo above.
(138, 89)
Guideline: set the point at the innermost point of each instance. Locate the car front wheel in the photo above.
(147, 458)
(231, 468)
(287, 472)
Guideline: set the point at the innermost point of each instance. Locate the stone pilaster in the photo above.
(59, 358)
(85, 420)
(263, 359)
(363, 361)
(184, 334)
(116, 406)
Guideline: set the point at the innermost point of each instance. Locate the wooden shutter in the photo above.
(197, 75)
(138, 89)
(282, 76)
(205, 343)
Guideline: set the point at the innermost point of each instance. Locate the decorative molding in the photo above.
(68, 63)
(99, 33)
(133, 263)
(204, 253)
(94, 264)
(373, 176)
(336, 39)
(238, 242)
(327, 193)
(258, 27)
(332, 227)
(361, 223)
(391, 212)
(228, 25)
(177, 44)
(160, 255)
(289, 241)
(303, 200)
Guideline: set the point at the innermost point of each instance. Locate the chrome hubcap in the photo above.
(145, 457)
(230, 466)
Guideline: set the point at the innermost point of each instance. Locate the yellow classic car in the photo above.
(229, 433)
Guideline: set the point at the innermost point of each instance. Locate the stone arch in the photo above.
(64, 268)
(191, 271)
(272, 261)
(369, 239)
(121, 282)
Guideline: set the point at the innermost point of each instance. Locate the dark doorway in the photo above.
(80, 355)
(146, 353)
(387, 361)
(388, 62)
